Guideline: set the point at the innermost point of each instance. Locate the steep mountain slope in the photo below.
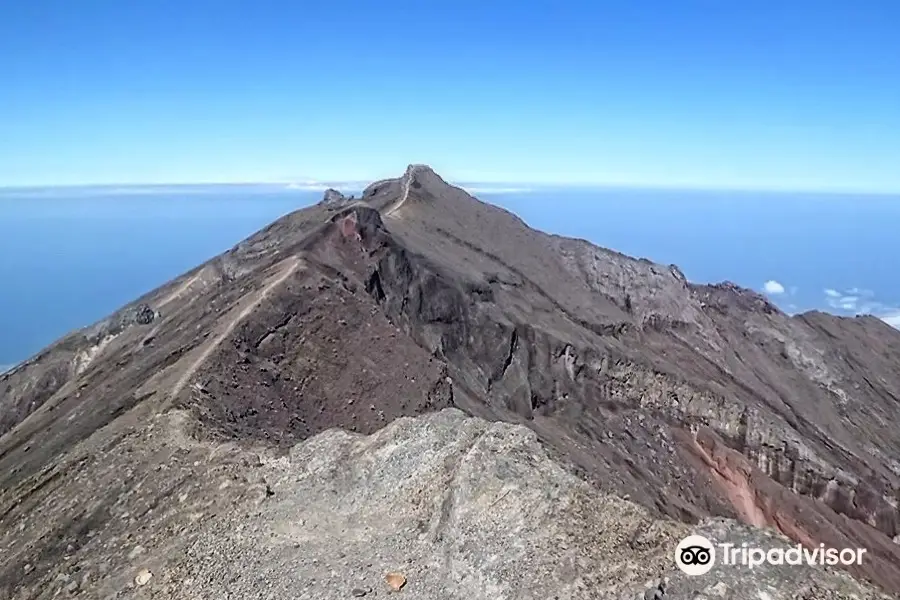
(694, 401)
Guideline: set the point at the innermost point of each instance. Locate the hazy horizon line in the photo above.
(308, 184)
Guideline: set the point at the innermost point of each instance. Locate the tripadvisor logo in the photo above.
(696, 555)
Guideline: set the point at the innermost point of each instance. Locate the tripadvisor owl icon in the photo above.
(695, 555)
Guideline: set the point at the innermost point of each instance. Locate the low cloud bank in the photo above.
(485, 190)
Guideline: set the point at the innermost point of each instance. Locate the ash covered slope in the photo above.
(696, 400)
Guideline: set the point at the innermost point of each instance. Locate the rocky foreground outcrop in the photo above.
(442, 506)
(697, 402)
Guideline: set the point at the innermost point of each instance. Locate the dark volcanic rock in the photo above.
(333, 199)
(696, 401)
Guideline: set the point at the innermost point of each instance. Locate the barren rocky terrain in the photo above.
(416, 382)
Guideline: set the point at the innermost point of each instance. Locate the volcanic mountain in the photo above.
(416, 381)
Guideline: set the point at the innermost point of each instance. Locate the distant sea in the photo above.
(70, 256)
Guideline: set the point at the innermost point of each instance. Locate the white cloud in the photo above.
(353, 186)
(841, 302)
(854, 300)
(198, 189)
(859, 301)
(893, 319)
(306, 186)
(321, 186)
(483, 190)
(855, 291)
(773, 287)
(848, 303)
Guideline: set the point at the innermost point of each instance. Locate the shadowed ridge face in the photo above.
(360, 220)
(694, 400)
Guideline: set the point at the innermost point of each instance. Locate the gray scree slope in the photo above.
(460, 507)
(135, 443)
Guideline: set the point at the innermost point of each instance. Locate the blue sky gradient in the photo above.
(766, 94)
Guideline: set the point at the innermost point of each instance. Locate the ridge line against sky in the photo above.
(799, 95)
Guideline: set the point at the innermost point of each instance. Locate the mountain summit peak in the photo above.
(424, 175)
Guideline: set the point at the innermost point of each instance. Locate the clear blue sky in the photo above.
(721, 93)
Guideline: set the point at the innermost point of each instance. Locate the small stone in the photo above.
(396, 581)
(72, 587)
(143, 578)
(720, 589)
(359, 592)
(656, 593)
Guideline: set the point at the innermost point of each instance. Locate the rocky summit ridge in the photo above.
(416, 382)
